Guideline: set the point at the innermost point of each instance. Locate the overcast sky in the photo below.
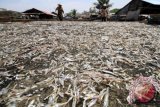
(50, 5)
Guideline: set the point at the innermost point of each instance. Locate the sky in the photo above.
(50, 5)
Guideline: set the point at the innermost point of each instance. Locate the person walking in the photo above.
(103, 13)
(60, 12)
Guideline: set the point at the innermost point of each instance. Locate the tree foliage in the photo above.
(72, 13)
(100, 3)
(114, 10)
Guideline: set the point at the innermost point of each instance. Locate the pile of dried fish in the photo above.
(74, 64)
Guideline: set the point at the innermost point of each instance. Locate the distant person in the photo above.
(103, 13)
(60, 12)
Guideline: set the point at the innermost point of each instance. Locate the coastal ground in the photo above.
(64, 64)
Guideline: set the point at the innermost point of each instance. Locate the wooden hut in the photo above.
(135, 8)
(38, 14)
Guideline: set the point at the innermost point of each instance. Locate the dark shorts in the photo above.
(60, 17)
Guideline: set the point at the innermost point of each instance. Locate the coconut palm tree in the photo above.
(100, 3)
(74, 12)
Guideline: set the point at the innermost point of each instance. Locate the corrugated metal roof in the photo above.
(153, 7)
(36, 11)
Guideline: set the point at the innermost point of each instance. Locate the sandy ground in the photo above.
(56, 64)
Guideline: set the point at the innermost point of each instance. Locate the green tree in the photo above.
(114, 10)
(100, 3)
(69, 14)
(74, 13)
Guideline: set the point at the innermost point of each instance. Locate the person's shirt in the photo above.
(103, 12)
(60, 10)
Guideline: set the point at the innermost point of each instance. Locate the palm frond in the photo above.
(102, 2)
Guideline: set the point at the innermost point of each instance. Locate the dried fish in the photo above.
(74, 64)
(106, 98)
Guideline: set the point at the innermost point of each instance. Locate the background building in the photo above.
(135, 8)
(38, 14)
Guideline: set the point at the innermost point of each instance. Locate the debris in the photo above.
(143, 90)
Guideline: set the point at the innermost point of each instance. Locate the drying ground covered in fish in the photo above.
(74, 64)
